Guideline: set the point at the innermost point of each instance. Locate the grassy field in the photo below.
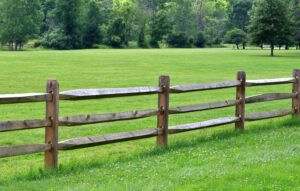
(266, 156)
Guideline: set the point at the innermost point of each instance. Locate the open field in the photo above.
(264, 157)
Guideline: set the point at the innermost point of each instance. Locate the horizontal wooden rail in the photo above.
(139, 134)
(106, 139)
(107, 92)
(23, 125)
(269, 97)
(201, 125)
(206, 86)
(270, 81)
(268, 115)
(24, 98)
(203, 107)
(9, 151)
(98, 118)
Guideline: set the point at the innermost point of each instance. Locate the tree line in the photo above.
(76, 24)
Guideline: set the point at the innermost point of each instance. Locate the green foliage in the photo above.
(19, 21)
(92, 33)
(236, 36)
(84, 23)
(296, 21)
(117, 33)
(68, 27)
(238, 14)
(178, 40)
(160, 26)
(200, 40)
(269, 22)
(142, 39)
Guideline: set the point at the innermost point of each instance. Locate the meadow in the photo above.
(265, 156)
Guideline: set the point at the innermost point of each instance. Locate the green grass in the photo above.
(266, 156)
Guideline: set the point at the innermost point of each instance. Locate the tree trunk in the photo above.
(286, 47)
(262, 46)
(272, 49)
(237, 46)
(279, 47)
(244, 46)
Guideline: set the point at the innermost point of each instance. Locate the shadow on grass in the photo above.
(79, 166)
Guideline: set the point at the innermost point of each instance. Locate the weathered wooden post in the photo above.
(296, 90)
(240, 96)
(51, 136)
(163, 111)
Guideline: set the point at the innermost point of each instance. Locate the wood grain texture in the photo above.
(100, 118)
(296, 91)
(269, 81)
(24, 98)
(269, 97)
(201, 125)
(23, 125)
(201, 87)
(106, 139)
(240, 96)
(9, 151)
(267, 115)
(51, 132)
(203, 107)
(107, 92)
(163, 111)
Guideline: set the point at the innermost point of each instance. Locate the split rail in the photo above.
(52, 121)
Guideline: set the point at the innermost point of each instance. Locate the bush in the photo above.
(115, 41)
(38, 43)
(178, 40)
(57, 39)
(200, 40)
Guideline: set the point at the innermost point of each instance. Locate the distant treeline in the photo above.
(76, 24)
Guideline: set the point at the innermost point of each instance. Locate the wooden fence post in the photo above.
(51, 136)
(163, 111)
(240, 96)
(296, 89)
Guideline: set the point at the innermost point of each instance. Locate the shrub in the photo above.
(115, 41)
(178, 40)
(57, 39)
(200, 40)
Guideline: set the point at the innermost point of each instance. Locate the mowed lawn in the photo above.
(266, 156)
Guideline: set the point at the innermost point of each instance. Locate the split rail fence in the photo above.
(52, 120)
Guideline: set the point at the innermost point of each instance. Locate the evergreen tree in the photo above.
(19, 21)
(269, 22)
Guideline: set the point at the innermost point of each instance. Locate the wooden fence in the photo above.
(52, 120)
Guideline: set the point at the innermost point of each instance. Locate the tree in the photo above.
(47, 8)
(200, 40)
(92, 33)
(160, 26)
(238, 16)
(117, 33)
(178, 40)
(269, 22)
(141, 39)
(68, 26)
(236, 36)
(296, 22)
(19, 21)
